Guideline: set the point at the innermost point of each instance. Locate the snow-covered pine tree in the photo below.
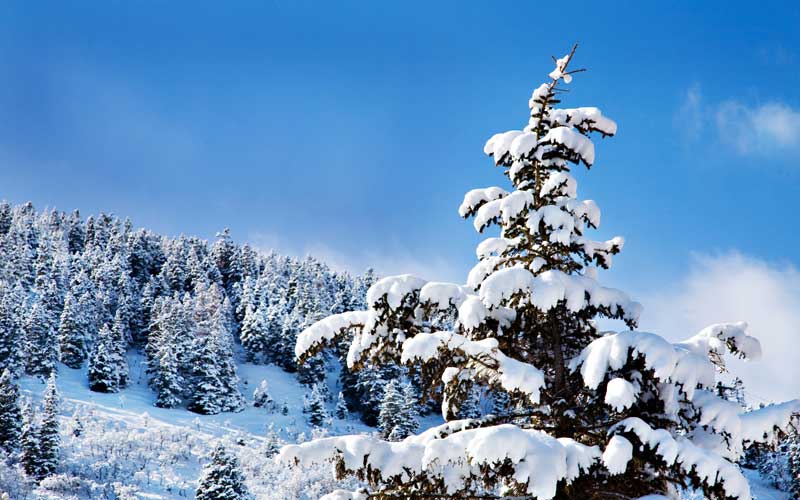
(370, 386)
(206, 386)
(341, 407)
(407, 424)
(390, 409)
(167, 379)
(49, 437)
(41, 341)
(77, 324)
(221, 478)
(314, 406)
(254, 331)
(620, 415)
(11, 332)
(10, 413)
(76, 233)
(102, 372)
(272, 442)
(261, 397)
(470, 407)
(29, 440)
(215, 384)
(119, 334)
(793, 463)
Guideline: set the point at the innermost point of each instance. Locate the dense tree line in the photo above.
(84, 292)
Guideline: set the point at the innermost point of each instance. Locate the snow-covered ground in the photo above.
(158, 453)
(761, 489)
(129, 449)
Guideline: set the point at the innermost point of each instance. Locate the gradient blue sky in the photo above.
(353, 129)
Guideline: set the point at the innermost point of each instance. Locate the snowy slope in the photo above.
(160, 451)
(761, 489)
(129, 449)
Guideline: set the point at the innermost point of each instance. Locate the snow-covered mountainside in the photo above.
(121, 446)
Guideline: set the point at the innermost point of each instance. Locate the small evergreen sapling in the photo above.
(221, 478)
(314, 406)
(261, 397)
(341, 407)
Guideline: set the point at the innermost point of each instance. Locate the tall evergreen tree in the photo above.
(102, 373)
(618, 415)
(41, 341)
(167, 379)
(408, 423)
(221, 478)
(390, 409)
(29, 441)
(6, 217)
(11, 332)
(120, 348)
(254, 332)
(49, 437)
(10, 413)
(214, 379)
(370, 387)
(76, 233)
(76, 328)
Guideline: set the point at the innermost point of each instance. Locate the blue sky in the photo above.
(353, 129)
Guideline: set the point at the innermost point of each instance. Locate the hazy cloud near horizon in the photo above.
(715, 289)
(735, 287)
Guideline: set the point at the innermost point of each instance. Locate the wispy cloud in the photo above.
(734, 287)
(689, 118)
(748, 129)
(766, 128)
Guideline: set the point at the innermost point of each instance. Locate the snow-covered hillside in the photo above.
(126, 446)
(120, 446)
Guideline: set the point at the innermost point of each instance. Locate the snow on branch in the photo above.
(549, 288)
(708, 467)
(538, 460)
(759, 425)
(484, 360)
(718, 339)
(503, 209)
(326, 330)
(444, 295)
(668, 362)
(393, 289)
(475, 198)
(576, 145)
(586, 119)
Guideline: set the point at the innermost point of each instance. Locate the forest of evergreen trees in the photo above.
(83, 292)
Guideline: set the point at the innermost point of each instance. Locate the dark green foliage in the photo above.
(221, 478)
(49, 438)
(102, 373)
(10, 413)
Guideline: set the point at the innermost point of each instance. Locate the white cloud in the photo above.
(398, 261)
(734, 287)
(749, 129)
(766, 128)
(689, 118)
